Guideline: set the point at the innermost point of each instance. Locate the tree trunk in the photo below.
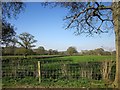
(106, 70)
(116, 20)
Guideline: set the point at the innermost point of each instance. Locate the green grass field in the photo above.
(89, 58)
(84, 58)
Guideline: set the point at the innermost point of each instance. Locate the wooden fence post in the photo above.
(39, 71)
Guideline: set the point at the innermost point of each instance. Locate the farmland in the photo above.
(67, 71)
(87, 58)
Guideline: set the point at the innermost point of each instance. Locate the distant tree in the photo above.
(26, 41)
(99, 51)
(8, 50)
(46, 52)
(22, 51)
(113, 52)
(107, 53)
(40, 50)
(71, 50)
(84, 52)
(50, 51)
(91, 52)
(62, 53)
(55, 52)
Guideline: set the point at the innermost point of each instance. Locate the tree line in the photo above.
(98, 51)
(71, 51)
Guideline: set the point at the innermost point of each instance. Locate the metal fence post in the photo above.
(39, 71)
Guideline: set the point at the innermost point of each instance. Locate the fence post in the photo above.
(39, 71)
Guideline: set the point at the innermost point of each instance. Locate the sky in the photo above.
(48, 27)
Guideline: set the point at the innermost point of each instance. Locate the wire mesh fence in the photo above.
(26, 69)
(66, 70)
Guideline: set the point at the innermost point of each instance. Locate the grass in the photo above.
(29, 82)
(46, 58)
(86, 58)
(89, 58)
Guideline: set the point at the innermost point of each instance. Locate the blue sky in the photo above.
(47, 25)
